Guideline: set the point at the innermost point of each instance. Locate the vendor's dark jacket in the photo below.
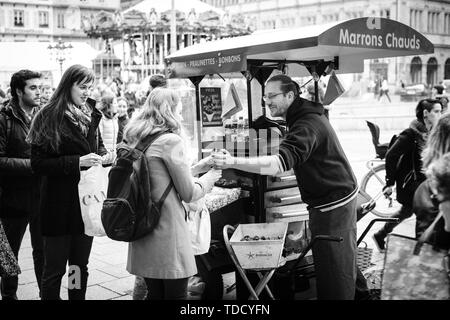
(312, 149)
(403, 156)
(60, 205)
(20, 189)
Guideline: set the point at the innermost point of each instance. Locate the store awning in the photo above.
(351, 41)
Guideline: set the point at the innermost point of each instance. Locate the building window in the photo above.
(415, 19)
(447, 23)
(18, 18)
(43, 19)
(416, 70)
(432, 25)
(60, 20)
(432, 67)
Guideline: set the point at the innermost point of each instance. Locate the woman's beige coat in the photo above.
(166, 253)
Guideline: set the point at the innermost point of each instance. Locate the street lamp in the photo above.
(59, 50)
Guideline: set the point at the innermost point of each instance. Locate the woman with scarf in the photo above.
(404, 164)
(65, 140)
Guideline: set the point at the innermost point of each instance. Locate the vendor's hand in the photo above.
(109, 157)
(208, 179)
(222, 159)
(387, 191)
(91, 159)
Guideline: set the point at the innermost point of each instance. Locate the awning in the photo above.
(351, 41)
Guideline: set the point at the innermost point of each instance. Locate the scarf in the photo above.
(80, 117)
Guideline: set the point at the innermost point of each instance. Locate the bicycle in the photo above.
(373, 181)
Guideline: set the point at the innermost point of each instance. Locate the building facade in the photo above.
(430, 17)
(49, 20)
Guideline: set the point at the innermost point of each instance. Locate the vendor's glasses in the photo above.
(271, 96)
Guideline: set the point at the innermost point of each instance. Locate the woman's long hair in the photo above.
(158, 113)
(46, 126)
(438, 142)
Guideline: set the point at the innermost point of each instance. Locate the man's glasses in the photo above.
(271, 96)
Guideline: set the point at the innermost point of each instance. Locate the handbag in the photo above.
(415, 270)
(199, 224)
(92, 189)
(8, 262)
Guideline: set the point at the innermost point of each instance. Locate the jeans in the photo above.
(167, 289)
(15, 229)
(59, 250)
(404, 213)
(335, 262)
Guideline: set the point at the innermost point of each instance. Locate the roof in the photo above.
(351, 40)
(180, 5)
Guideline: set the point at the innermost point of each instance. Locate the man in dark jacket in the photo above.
(20, 196)
(325, 179)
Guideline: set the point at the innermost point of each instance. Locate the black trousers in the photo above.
(15, 229)
(335, 262)
(166, 289)
(74, 249)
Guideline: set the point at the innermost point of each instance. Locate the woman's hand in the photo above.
(209, 178)
(445, 208)
(109, 158)
(91, 159)
(222, 159)
(203, 165)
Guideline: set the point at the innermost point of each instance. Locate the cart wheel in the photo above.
(214, 283)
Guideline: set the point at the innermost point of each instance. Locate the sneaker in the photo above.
(379, 242)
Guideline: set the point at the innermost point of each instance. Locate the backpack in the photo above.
(8, 122)
(128, 213)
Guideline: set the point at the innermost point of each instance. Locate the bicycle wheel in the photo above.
(372, 183)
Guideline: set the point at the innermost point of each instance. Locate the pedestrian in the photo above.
(65, 140)
(109, 124)
(404, 164)
(165, 258)
(425, 205)
(326, 182)
(376, 90)
(384, 90)
(155, 81)
(122, 117)
(20, 196)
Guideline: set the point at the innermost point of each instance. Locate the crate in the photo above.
(259, 254)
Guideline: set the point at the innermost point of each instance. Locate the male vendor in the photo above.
(325, 179)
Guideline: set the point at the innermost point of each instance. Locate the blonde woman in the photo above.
(165, 258)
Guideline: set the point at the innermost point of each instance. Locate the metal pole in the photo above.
(173, 29)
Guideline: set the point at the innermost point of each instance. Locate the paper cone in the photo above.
(232, 103)
(334, 89)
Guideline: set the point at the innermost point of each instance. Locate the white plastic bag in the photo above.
(199, 224)
(92, 191)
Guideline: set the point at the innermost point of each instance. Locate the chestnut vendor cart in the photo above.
(312, 51)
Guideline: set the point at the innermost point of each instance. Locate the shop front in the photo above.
(228, 79)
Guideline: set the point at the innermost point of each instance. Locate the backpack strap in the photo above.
(142, 146)
(146, 142)
(165, 194)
